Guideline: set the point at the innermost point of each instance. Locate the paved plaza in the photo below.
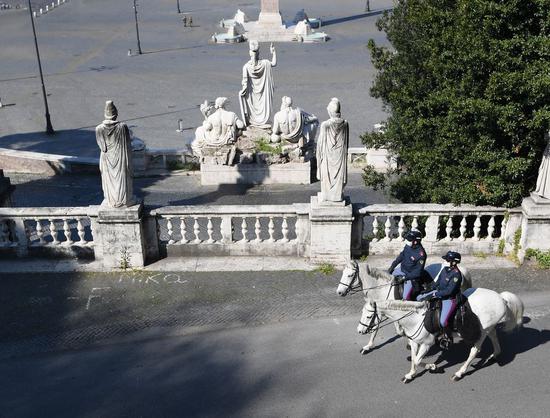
(84, 47)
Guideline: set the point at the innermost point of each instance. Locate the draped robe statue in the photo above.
(543, 180)
(256, 95)
(332, 153)
(115, 162)
(293, 125)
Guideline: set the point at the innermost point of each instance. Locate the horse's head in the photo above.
(369, 317)
(350, 275)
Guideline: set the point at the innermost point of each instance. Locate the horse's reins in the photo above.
(384, 323)
(350, 289)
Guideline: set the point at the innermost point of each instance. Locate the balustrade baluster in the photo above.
(387, 229)
(4, 239)
(271, 229)
(414, 224)
(196, 230)
(490, 228)
(183, 230)
(477, 228)
(81, 231)
(67, 232)
(170, 228)
(503, 226)
(375, 229)
(463, 228)
(401, 228)
(40, 233)
(210, 230)
(449, 229)
(244, 230)
(257, 229)
(53, 232)
(285, 230)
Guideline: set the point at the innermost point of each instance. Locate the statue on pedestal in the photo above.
(220, 127)
(293, 125)
(115, 162)
(543, 180)
(332, 153)
(256, 95)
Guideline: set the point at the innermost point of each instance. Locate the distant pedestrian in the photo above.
(184, 20)
(190, 21)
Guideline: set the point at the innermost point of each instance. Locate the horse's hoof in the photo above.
(406, 380)
(365, 351)
(455, 378)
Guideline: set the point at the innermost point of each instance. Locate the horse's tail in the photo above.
(514, 314)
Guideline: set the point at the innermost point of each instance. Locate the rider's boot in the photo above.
(446, 339)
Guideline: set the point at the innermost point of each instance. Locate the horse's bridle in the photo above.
(350, 287)
(371, 325)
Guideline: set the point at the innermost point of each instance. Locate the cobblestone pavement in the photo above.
(49, 312)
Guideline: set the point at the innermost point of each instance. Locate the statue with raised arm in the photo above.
(543, 180)
(115, 162)
(256, 95)
(293, 125)
(332, 153)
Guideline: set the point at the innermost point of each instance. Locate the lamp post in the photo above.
(178, 2)
(137, 27)
(49, 128)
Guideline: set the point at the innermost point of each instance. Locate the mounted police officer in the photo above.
(412, 260)
(447, 289)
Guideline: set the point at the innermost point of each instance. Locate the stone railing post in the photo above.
(21, 237)
(535, 224)
(330, 231)
(119, 236)
(226, 229)
(432, 227)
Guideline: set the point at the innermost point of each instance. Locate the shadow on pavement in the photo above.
(350, 18)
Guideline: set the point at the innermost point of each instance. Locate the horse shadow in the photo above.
(512, 344)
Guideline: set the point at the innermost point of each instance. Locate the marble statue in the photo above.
(332, 152)
(220, 127)
(543, 180)
(303, 28)
(115, 162)
(293, 125)
(256, 95)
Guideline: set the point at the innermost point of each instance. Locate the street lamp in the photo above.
(49, 128)
(137, 27)
(178, 2)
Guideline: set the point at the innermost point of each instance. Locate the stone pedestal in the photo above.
(119, 237)
(535, 224)
(330, 231)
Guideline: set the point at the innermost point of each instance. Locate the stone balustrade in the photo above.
(56, 230)
(464, 228)
(234, 230)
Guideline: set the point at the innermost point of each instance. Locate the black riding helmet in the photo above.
(452, 256)
(413, 235)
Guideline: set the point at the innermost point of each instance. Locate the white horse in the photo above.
(490, 307)
(376, 284)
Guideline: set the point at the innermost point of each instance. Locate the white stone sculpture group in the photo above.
(292, 127)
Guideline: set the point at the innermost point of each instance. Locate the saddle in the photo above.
(464, 321)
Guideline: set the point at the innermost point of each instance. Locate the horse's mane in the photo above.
(402, 305)
(378, 274)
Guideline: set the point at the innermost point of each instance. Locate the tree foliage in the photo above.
(467, 84)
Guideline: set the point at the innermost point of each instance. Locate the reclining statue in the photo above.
(294, 125)
(220, 127)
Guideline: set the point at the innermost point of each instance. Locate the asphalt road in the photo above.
(84, 48)
(244, 345)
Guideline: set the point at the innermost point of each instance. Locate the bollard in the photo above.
(47, 9)
(53, 5)
(1, 105)
(129, 52)
(58, 2)
(40, 11)
(34, 14)
(180, 125)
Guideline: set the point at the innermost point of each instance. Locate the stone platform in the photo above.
(256, 173)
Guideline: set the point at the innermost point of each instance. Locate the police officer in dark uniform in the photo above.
(412, 260)
(447, 289)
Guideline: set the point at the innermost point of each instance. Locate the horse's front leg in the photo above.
(417, 354)
(410, 376)
(473, 353)
(368, 347)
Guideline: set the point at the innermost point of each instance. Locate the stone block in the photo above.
(119, 234)
(535, 224)
(331, 226)
(290, 173)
